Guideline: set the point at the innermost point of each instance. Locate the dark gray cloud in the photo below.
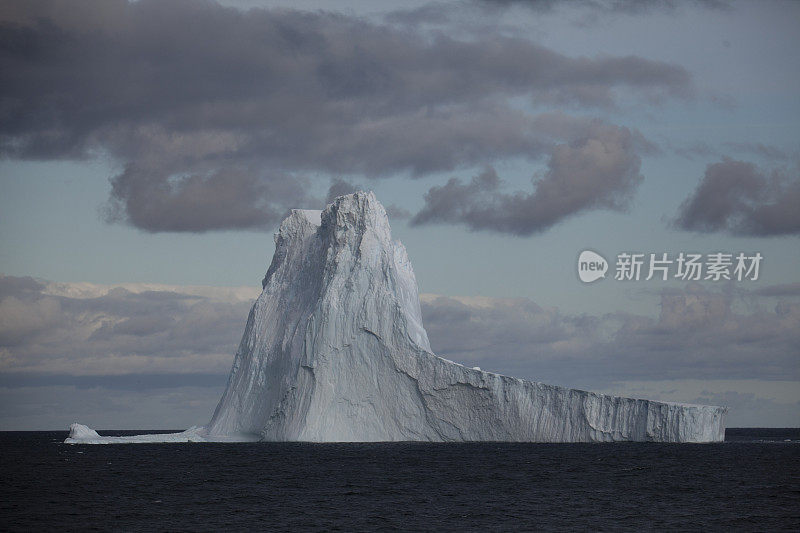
(704, 150)
(186, 96)
(765, 151)
(739, 198)
(697, 149)
(431, 13)
(585, 12)
(699, 334)
(132, 382)
(19, 286)
(614, 7)
(395, 212)
(637, 7)
(597, 168)
(341, 187)
(224, 198)
(780, 291)
(23, 318)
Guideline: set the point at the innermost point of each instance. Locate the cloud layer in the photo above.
(739, 198)
(177, 343)
(699, 334)
(188, 95)
(49, 329)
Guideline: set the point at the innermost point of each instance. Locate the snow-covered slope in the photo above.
(334, 350)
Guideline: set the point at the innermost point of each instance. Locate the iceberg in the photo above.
(334, 350)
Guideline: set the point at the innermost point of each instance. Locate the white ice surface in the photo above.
(80, 434)
(334, 350)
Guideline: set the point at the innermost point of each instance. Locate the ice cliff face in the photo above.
(335, 350)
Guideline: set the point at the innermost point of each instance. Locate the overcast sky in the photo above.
(149, 150)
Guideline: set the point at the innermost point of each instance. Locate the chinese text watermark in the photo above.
(632, 266)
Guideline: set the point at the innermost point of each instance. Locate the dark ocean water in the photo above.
(750, 482)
